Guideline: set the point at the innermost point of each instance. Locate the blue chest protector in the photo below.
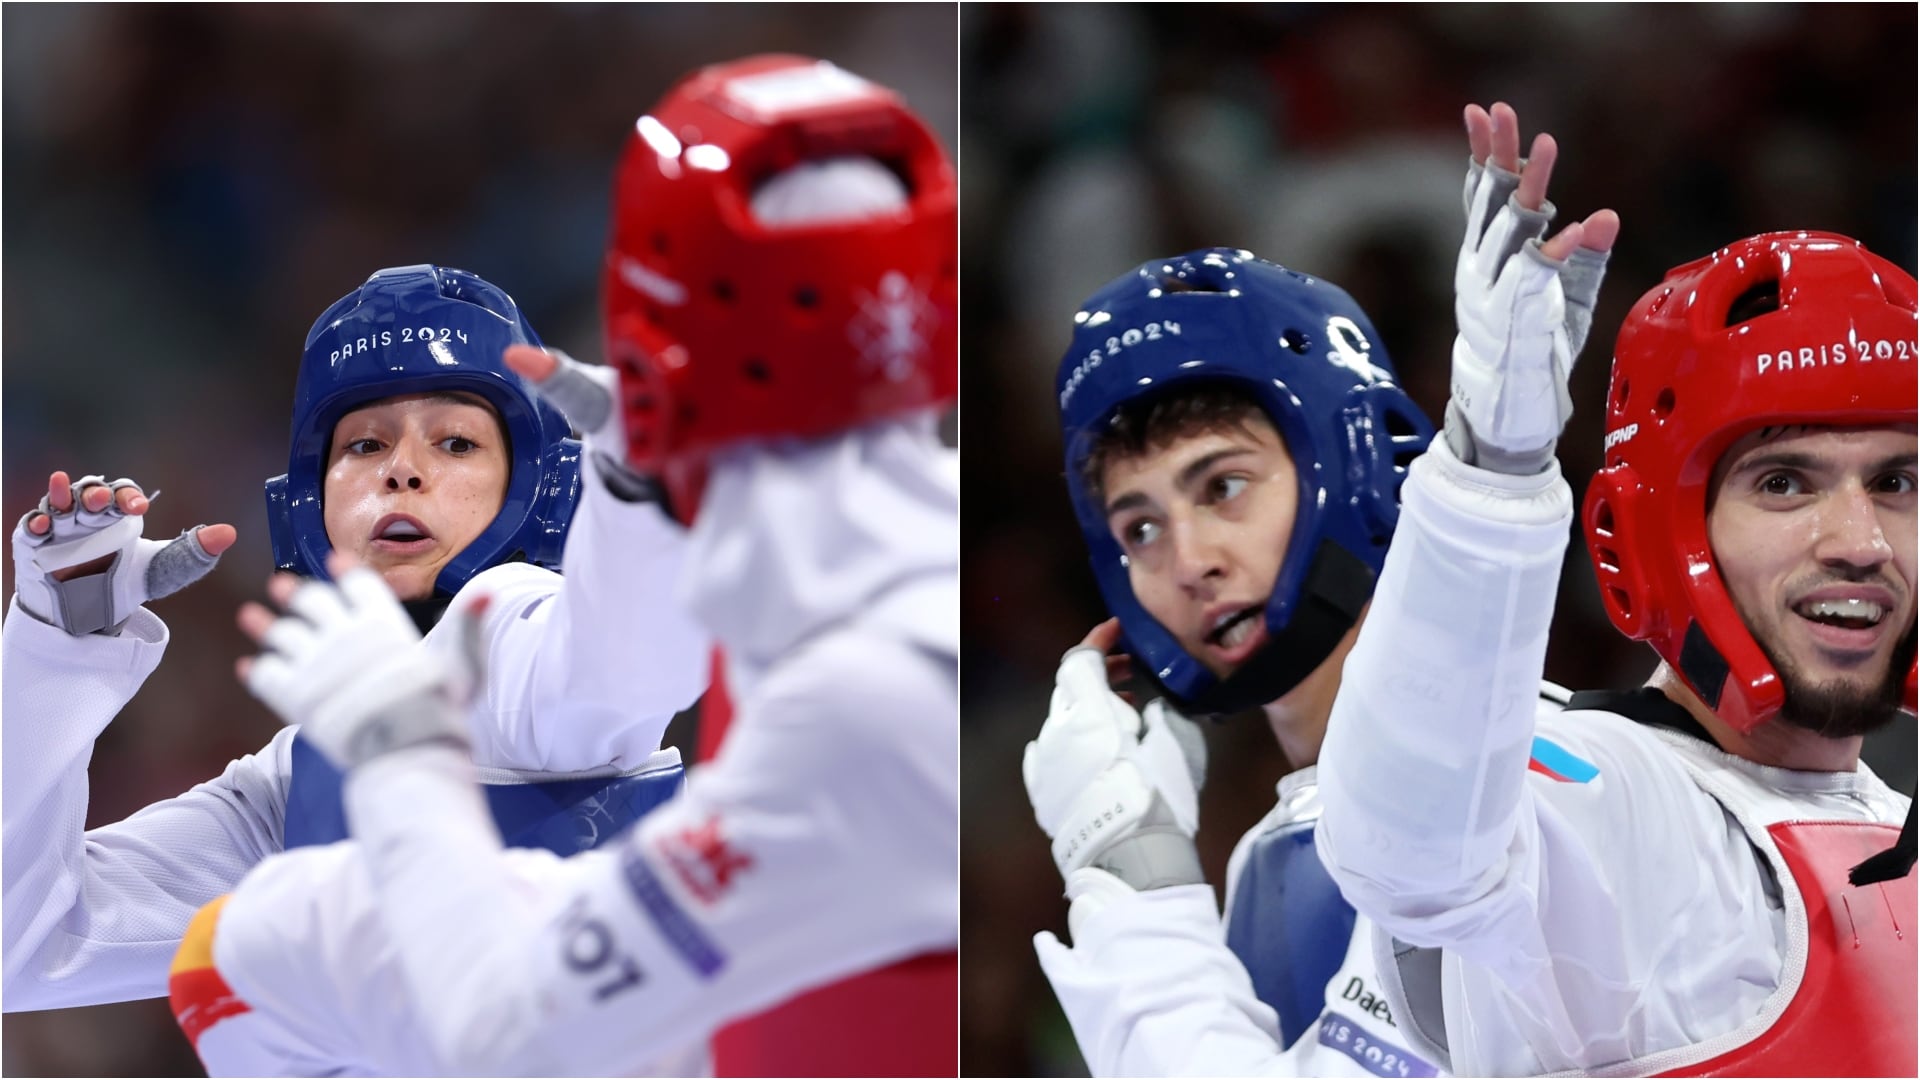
(1289, 926)
(562, 816)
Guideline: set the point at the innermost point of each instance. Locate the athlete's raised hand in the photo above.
(342, 663)
(81, 564)
(589, 396)
(1523, 306)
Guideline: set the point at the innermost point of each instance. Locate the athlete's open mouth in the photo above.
(401, 534)
(1233, 628)
(401, 527)
(1850, 613)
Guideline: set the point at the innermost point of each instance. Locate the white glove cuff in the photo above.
(1441, 484)
(1158, 854)
(1108, 808)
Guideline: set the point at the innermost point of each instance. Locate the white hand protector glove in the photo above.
(142, 570)
(589, 395)
(345, 664)
(1112, 788)
(1523, 318)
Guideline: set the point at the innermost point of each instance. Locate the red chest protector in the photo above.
(1853, 1013)
(899, 1020)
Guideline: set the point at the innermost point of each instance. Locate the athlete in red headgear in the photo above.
(742, 307)
(1836, 349)
(780, 305)
(1694, 877)
(850, 321)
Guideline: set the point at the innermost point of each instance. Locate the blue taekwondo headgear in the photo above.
(1309, 356)
(425, 329)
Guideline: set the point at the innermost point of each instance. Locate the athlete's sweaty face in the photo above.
(1813, 530)
(411, 481)
(1204, 520)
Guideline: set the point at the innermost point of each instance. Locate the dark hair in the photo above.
(1157, 420)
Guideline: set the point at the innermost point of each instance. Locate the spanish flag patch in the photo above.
(201, 998)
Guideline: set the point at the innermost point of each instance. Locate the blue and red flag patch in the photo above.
(1552, 760)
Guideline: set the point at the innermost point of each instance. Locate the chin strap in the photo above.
(1892, 864)
(1337, 586)
(426, 613)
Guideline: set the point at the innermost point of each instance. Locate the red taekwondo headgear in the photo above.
(726, 328)
(1833, 344)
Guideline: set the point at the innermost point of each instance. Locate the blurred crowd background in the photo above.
(1328, 137)
(187, 188)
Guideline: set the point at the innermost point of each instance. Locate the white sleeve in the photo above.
(1423, 768)
(1568, 924)
(586, 668)
(823, 841)
(1151, 988)
(95, 916)
(302, 944)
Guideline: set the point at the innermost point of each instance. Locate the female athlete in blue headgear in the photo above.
(414, 449)
(822, 841)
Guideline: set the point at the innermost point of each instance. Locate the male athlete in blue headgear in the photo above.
(1235, 443)
(414, 449)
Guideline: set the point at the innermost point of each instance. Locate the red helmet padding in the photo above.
(726, 329)
(1839, 350)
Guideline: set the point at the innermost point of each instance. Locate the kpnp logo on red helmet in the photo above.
(727, 327)
(1778, 329)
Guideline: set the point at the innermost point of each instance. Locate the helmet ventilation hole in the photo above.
(1758, 300)
(723, 290)
(1663, 405)
(1603, 522)
(1403, 436)
(1620, 391)
(756, 369)
(1620, 601)
(1173, 284)
(1294, 340)
(659, 241)
(805, 297)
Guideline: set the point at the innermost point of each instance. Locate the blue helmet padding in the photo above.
(425, 329)
(1306, 352)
